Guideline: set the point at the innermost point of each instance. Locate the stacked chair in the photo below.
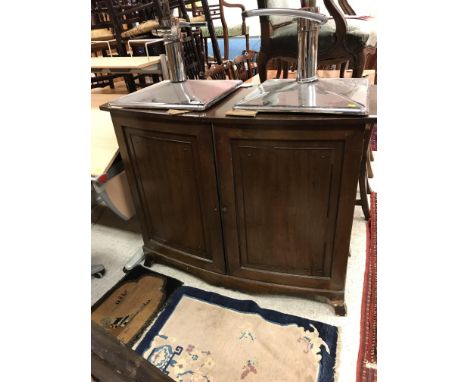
(215, 11)
(342, 41)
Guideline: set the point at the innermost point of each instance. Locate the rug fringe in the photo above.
(339, 348)
(370, 365)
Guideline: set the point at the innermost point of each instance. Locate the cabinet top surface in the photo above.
(217, 113)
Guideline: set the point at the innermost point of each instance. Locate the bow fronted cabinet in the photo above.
(263, 205)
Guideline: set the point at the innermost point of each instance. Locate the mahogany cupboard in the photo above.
(262, 204)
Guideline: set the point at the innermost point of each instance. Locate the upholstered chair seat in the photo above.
(341, 39)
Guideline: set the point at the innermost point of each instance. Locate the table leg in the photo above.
(130, 82)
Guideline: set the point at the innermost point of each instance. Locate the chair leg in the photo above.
(277, 62)
(369, 189)
(130, 82)
(370, 173)
(226, 48)
(358, 65)
(342, 69)
(285, 69)
(364, 188)
(262, 66)
(205, 45)
(363, 202)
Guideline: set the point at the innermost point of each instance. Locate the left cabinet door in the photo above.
(173, 181)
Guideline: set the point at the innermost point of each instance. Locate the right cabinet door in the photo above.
(287, 198)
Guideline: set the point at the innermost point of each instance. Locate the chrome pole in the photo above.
(307, 45)
(175, 62)
(308, 27)
(173, 44)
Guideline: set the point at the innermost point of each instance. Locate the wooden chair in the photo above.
(193, 62)
(103, 42)
(215, 11)
(137, 18)
(244, 66)
(364, 187)
(101, 80)
(110, 19)
(222, 71)
(339, 43)
(370, 48)
(101, 24)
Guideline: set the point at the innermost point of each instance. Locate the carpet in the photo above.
(204, 336)
(373, 139)
(367, 357)
(133, 303)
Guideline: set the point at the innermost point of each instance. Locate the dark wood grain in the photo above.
(263, 205)
(112, 361)
(284, 202)
(280, 192)
(173, 173)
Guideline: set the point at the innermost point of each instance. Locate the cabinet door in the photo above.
(287, 198)
(173, 180)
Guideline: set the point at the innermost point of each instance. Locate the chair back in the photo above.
(220, 71)
(215, 11)
(338, 44)
(244, 66)
(194, 64)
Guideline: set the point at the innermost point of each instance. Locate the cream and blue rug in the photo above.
(204, 336)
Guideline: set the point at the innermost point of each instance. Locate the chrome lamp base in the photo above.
(326, 95)
(187, 95)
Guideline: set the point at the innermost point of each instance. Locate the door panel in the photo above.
(284, 191)
(280, 195)
(174, 175)
(168, 175)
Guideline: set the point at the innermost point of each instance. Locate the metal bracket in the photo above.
(146, 41)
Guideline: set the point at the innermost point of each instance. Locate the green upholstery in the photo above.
(233, 31)
(284, 38)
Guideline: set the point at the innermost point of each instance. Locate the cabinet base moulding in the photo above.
(333, 298)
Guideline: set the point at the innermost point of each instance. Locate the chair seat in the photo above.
(360, 34)
(102, 34)
(150, 25)
(364, 28)
(140, 29)
(233, 31)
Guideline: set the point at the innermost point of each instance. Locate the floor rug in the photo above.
(133, 303)
(373, 139)
(204, 336)
(367, 358)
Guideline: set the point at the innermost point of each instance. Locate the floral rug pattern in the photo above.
(202, 336)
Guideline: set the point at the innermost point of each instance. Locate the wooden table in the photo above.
(129, 65)
(104, 146)
(104, 150)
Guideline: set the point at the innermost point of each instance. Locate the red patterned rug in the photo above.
(373, 139)
(367, 358)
